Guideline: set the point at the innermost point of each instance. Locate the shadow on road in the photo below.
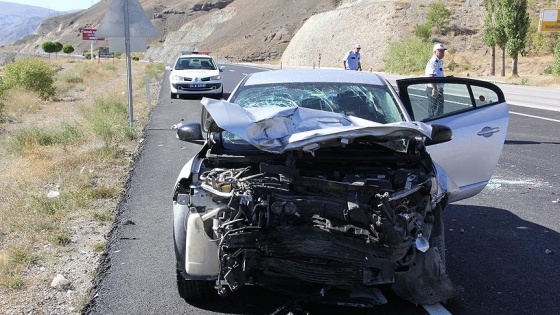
(505, 264)
(528, 142)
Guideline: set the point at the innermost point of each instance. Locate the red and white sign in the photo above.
(89, 34)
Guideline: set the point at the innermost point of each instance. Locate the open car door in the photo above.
(476, 112)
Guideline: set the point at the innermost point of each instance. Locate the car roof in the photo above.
(195, 56)
(314, 75)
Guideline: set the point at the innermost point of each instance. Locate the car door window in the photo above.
(449, 99)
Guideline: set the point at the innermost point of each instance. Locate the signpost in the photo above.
(89, 34)
(105, 53)
(126, 20)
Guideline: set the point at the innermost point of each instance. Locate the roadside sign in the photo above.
(113, 23)
(105, 53)
(89, 34)
(549, 20)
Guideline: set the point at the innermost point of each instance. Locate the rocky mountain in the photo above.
(288, 32)
(17, 20)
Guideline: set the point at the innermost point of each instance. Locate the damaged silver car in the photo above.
(315, 181)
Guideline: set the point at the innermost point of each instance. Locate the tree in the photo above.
(439, 15)
(67, 49)
(515, 21)
(493, 34)
(58, 48)
(49, 47)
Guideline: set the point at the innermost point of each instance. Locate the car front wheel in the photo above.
(173, 95)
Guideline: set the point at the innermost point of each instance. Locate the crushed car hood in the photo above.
(279, 129)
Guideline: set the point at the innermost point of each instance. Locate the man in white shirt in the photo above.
(434, 68)
(352, 59)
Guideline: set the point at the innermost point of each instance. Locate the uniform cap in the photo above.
(439, 46)
(357, 46)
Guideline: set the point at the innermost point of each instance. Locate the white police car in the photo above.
(195, 74)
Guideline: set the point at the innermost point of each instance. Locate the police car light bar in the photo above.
(194, 52)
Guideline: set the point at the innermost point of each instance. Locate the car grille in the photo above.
(201, 79)
(196, 86)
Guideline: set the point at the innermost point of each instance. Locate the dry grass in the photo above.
(64, 146)
(531, 69)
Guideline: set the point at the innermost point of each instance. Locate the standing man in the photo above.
(352, 59)
(434, 91)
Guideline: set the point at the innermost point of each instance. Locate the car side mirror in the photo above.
(190, 132)
(440, 134)
(221, 68)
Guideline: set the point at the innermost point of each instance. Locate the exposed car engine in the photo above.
(348, 218)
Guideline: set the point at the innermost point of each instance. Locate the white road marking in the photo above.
(538, 117)
(496, 183)
(436, 309)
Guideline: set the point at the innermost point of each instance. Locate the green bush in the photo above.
(155, 70)
(2, 110)
(409, 56)
(32, 74)
(452, 65)
(73, 78)
(556, 65)
(62, 238)
(63, 135)
(108, 119)
(423, 31)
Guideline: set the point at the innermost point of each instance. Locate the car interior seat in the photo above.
(313, 103)
(185, 64)
(360, 106)
(351, 104)
(205, 64)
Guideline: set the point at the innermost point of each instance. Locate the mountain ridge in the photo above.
(287, 32)
(19, 20)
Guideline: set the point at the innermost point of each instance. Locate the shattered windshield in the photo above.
(371, 102)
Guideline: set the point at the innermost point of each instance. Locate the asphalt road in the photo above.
(503, 245)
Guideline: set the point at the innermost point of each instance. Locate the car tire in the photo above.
(173, 95)
(195, 289)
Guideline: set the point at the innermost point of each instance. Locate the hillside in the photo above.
(290, 32)
(17, 21)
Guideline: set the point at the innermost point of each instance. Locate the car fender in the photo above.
(181, 212)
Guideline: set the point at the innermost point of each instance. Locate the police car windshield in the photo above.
(195, 63)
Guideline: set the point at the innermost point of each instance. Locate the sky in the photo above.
(58, 5)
